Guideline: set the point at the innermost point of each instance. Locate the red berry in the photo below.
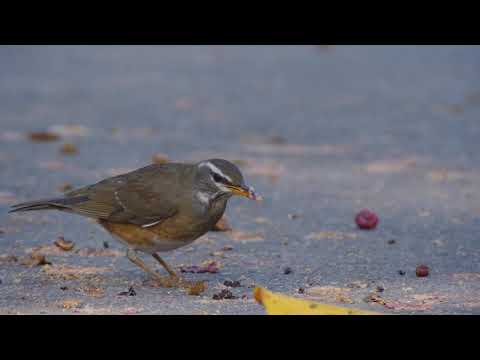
(422, 270)
(366, 219)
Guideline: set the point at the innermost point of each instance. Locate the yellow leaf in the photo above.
(279, 304)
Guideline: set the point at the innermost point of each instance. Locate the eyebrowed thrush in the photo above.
(155, 208)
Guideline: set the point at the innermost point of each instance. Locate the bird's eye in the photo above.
(217, 178)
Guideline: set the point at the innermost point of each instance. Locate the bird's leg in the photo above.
(193, 286)
(165, 265)
(163, 281)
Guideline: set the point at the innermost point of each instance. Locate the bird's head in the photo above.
(220, 177)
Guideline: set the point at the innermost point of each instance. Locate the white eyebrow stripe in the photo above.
(215, 169)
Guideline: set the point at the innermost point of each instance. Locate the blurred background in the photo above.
(320, 131)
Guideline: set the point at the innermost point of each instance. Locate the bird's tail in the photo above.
(47, 204)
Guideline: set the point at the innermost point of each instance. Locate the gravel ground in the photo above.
(321, 132)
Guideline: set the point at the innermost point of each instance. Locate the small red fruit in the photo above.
(422, 270)
(366, 219)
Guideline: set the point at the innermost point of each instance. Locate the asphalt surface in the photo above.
(321, 132)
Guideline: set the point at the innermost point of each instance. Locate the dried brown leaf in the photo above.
(43, 136)
(70, 304)
(68, 149)
(63, 244)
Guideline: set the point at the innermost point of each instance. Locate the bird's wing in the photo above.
(143, 197)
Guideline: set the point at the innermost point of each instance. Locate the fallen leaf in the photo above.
(93, 291)
(279, 304)
(70, 304)
(64, 244)
(43, 136)
(243, 235)
(68, 149)
(196, 288)
(330, 235)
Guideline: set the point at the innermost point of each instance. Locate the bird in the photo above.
(156, 208)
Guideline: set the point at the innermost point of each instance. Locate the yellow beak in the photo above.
(246, 192)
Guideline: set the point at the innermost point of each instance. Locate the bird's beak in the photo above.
(247, 192)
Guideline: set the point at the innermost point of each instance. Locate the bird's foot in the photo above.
(193, 287)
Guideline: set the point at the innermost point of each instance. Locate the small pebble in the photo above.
(401, 272)
(391, 242)
(105, 245)
(287, 270)
(63, 288)
(234, 284)
(130, 292)
(301, 290)
(422, 270)
(224, 294)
